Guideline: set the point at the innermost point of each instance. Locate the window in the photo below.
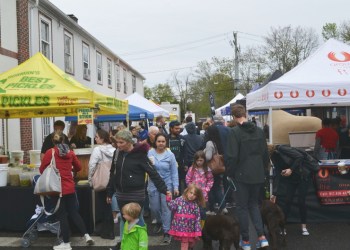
(86, 62)
(45, 37)
(124, 81)
(117, 77)
(133, 83)
(68, 52)
(99, 67)
(109, 73)
(45, 126)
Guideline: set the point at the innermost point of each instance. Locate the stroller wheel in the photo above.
(33, 236)
(25, 242)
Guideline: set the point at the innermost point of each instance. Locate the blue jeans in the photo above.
(247, 197)
(114, 204)
(160, 209)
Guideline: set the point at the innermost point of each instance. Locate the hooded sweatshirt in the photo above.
(100, 153)
(246, 157)
(193, 143)
(64, 159)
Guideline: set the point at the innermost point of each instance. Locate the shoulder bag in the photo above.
(100, 178)
(49, 183)
(216, 164)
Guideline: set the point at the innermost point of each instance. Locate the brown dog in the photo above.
(223, 228)
(273, 218)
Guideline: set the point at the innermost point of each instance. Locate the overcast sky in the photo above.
(177, 34)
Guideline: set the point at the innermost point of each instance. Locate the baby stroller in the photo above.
(40, 221)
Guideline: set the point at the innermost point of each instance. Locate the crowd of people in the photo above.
(165, 173)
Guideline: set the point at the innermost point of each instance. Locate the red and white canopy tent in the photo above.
(323, 79)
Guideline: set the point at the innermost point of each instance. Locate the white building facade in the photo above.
(30, 26)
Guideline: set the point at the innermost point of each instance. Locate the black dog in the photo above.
(273, 217)
(223, 228)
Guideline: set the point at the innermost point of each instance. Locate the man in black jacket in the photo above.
(246, 162)
(176, 145)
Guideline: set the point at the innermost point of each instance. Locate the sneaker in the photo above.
(89, 241)
(305, 232)
(245, 245)
(157, 228)
(154, 221)
(262, 242)
(117, 247)
(210, 213)
(225, 211)
(63, 246)
(167, 238)
(284, 232)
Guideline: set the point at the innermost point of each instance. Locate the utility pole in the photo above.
(235, 43)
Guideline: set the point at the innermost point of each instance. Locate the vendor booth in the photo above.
(139, 101)
(225, 110)
(134, 114)
(321, 80)
(38, 88)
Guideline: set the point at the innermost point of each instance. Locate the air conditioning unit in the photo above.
(86, 74)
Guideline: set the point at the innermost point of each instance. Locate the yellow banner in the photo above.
(38, 88)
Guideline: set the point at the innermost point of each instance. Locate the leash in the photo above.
(231, 185)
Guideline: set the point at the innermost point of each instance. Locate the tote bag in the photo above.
(49, 184)
(100, 178)
(216, 164)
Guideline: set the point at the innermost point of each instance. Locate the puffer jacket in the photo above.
(100, 153)
(64, 165)
(246, 157)
(129, 169)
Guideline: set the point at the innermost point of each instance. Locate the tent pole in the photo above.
(270, 125)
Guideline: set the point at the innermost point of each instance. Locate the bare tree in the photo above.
(286, 47)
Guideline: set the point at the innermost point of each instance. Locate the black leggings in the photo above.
(69, 207)
(292, 187)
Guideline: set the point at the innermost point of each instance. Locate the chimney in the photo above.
(74, 18)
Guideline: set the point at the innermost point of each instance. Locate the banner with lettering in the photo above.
(85, 116)
(38, 88)
(332, 186)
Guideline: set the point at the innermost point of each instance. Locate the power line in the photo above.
(172, 52)
(160, 71)
(174, 46)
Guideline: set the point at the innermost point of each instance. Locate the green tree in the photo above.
(330, 30)
(160, 93)
(286, 47)
(147, 92)
(345, 31)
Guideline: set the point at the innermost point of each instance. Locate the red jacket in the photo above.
(64, 165)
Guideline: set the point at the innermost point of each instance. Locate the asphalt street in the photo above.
(322, 236)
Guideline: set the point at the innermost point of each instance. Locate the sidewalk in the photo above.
(15, 242)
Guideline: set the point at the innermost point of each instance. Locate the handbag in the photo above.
(216, 164)
(49, 184)
(100, 177)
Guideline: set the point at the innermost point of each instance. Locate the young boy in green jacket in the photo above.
(134, 234)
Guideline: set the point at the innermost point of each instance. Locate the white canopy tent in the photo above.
(323, 79)
(139, 101)
(225, 109)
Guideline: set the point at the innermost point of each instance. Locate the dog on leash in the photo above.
(273, 217)
(223, 228)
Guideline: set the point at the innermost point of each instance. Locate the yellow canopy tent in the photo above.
(38, 88)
